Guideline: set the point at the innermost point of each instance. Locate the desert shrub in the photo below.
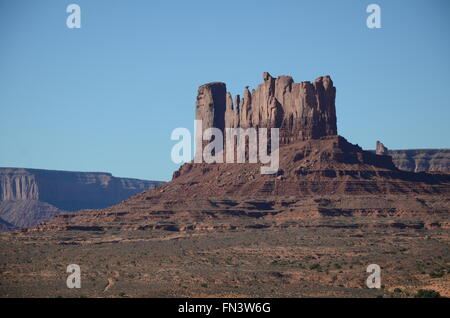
(427, 293)
(315, 266)
(437, 273)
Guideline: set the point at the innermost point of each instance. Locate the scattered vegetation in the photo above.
(437, 273)
(427, 293)
(315, 266)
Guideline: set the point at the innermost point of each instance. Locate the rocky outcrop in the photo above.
(302, 111)
(28, 196)
(381, 149)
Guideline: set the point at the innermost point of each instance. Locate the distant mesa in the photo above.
(30, 196)
(417, 160)
(422, 160)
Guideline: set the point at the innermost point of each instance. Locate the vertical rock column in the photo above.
(210, 108)
(381, 149)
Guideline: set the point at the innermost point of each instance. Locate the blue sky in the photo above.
(107, 96)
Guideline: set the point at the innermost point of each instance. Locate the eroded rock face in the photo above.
(381, 149)
(422, 160)
(302, 111)
(211, 102)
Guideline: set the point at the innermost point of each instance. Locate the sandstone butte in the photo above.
(302, 111)
(321, 174)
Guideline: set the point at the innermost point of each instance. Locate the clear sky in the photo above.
(106, 97)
